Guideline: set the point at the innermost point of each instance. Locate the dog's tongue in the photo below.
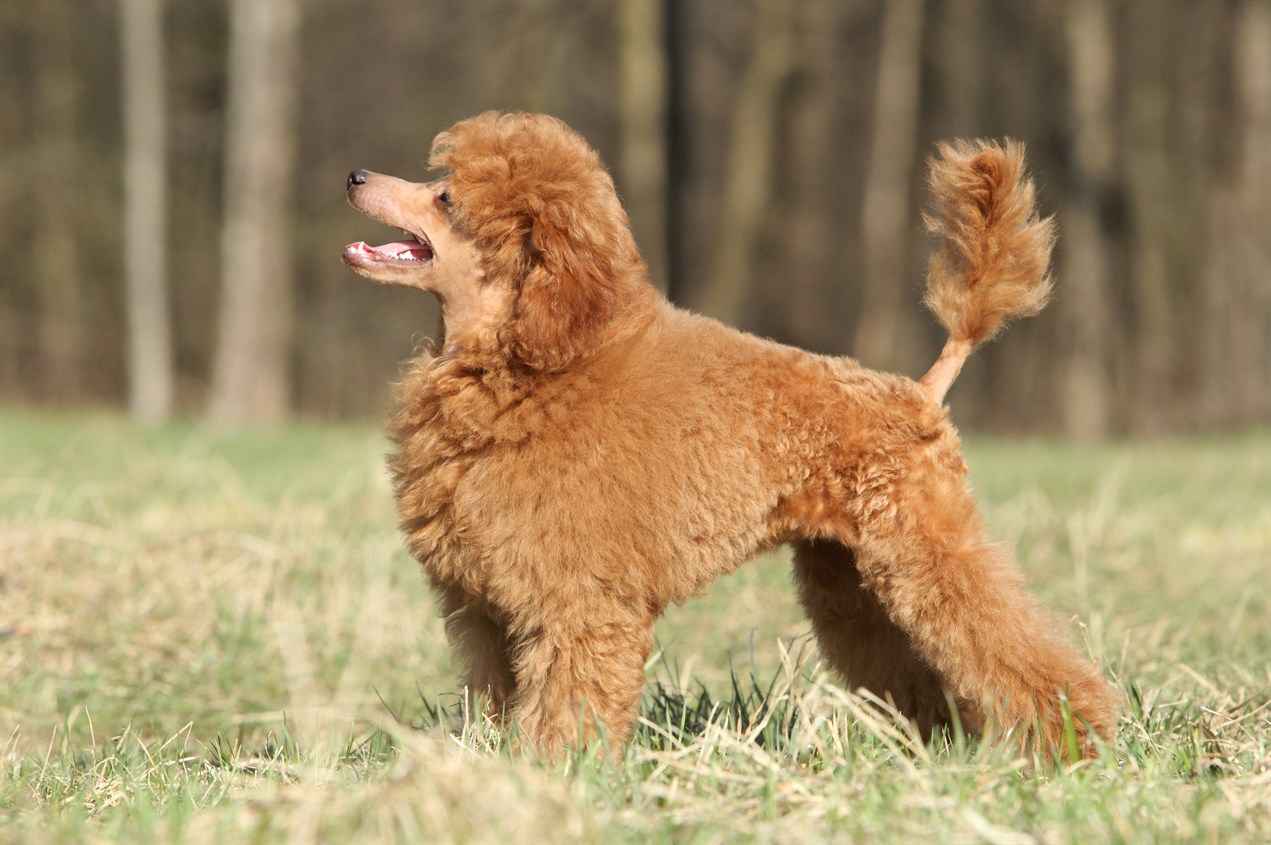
(397, 249)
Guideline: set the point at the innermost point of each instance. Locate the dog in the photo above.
(573, 453)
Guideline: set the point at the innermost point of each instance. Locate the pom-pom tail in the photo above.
(991, 263)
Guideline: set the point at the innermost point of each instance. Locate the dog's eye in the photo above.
(444, 198)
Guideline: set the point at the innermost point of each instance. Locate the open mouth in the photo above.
(412, 252)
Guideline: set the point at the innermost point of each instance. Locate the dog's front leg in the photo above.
(581, 676)
(482, 646)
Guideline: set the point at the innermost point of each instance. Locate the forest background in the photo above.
(172, 208)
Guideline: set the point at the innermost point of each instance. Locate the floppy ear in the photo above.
(565, 299)
(544, 213)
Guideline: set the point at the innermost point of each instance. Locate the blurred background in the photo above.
(172, 174)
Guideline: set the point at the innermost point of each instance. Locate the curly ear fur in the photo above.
(544, 213)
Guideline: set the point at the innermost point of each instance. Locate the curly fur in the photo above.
(588, 454)
(994, 251)
(543, 212)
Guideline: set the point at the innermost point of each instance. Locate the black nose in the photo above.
(357, 177)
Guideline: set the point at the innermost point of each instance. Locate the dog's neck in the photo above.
(470, 321)
(470, 327)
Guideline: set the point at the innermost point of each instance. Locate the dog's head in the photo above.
(524, 238)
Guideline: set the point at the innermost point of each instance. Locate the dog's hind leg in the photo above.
(861, 643)
(920, 549)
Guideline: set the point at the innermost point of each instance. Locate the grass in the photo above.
(217, 637)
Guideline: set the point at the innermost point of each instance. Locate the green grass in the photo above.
(217, 637)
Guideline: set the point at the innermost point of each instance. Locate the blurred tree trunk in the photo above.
(678, 113)
(55, 251)
(150, 376)
(958, 40)
(1083, 298)
(1238, 295)
(643, 102)
(805, 296)
(959, 44)
(527, 72)
(1153, 196)
(886, 327)
(1253, 334)
(250, 370)
(748, 175)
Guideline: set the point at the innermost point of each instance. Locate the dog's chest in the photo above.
(427, 467)
(448, 424)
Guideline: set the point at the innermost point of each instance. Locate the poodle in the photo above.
(574, 453)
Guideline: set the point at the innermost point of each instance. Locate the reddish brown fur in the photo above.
(991, 263)
(580, 454)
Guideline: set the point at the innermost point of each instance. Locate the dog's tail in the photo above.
(994, 252)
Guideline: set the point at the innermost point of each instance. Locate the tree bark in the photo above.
(884, 328)
(1239, 296)
(748, 175)
(1083, 298)
(643, 101)
(807, 299)
(958, 40)
(251, 367)
(676, 143)
(150, 375)
(1152, 194)
(55, 250)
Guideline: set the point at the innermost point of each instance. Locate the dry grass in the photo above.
(212, 637)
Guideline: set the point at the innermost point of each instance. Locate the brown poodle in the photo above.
(576, 453)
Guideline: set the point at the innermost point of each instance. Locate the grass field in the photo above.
(213, 637)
